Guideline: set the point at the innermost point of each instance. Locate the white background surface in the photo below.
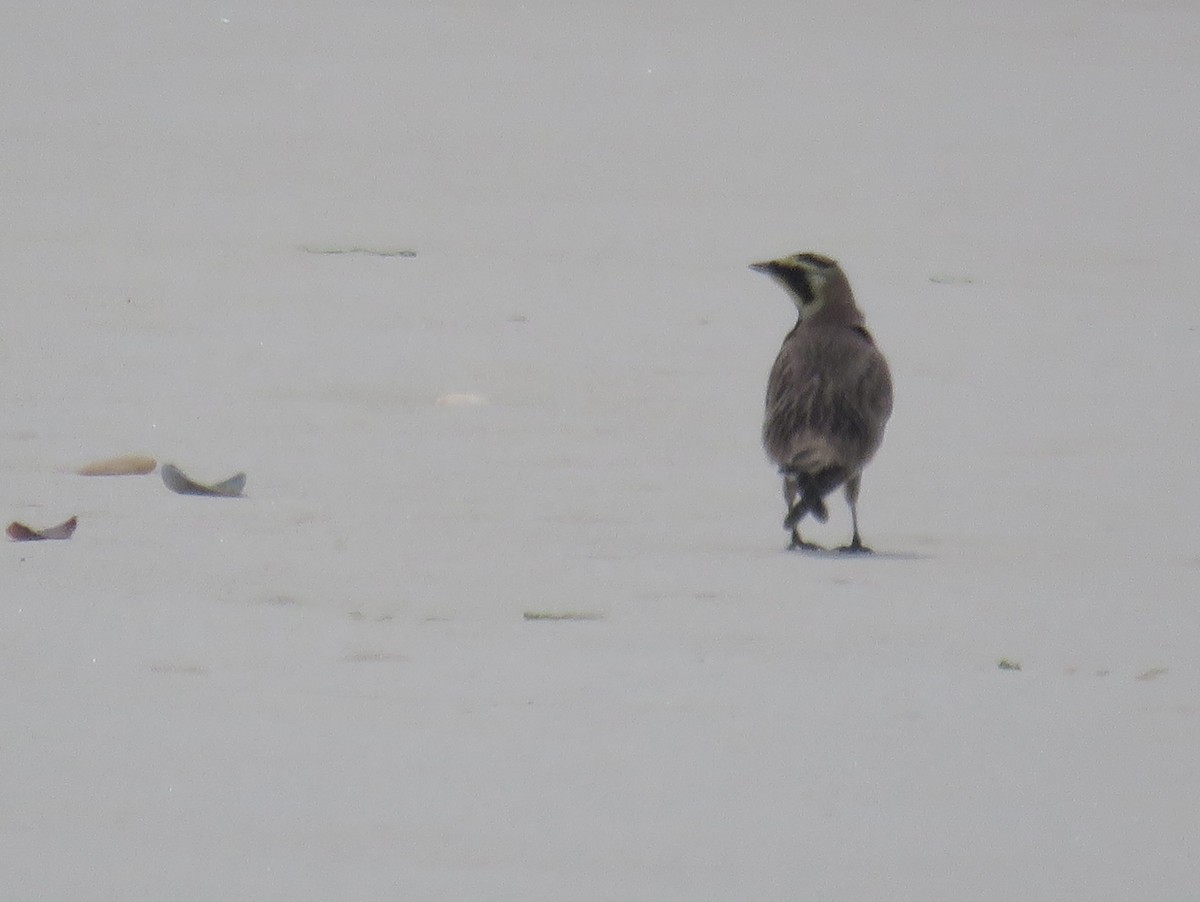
(327, 690)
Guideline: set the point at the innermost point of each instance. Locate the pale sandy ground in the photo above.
(328, 691)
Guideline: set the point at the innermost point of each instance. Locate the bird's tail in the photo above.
(813, 487)
(807, 504)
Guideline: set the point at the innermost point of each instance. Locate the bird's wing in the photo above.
(828, 397)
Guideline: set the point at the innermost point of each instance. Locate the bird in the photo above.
(829, 395)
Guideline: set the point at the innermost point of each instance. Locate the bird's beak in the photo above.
(766, 266)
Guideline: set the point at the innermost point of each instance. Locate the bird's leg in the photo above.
(856, 546)
(794, 514)
(790, 490)
(789, 499)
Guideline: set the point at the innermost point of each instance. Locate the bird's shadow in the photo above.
(835, 554)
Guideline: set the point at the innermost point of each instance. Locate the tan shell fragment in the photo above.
(126, 465)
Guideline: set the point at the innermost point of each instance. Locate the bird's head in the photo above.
(817, 285)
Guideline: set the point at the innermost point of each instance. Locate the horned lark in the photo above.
(829, 394)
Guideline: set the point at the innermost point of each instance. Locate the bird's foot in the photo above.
(855, 547)
(798, 544)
